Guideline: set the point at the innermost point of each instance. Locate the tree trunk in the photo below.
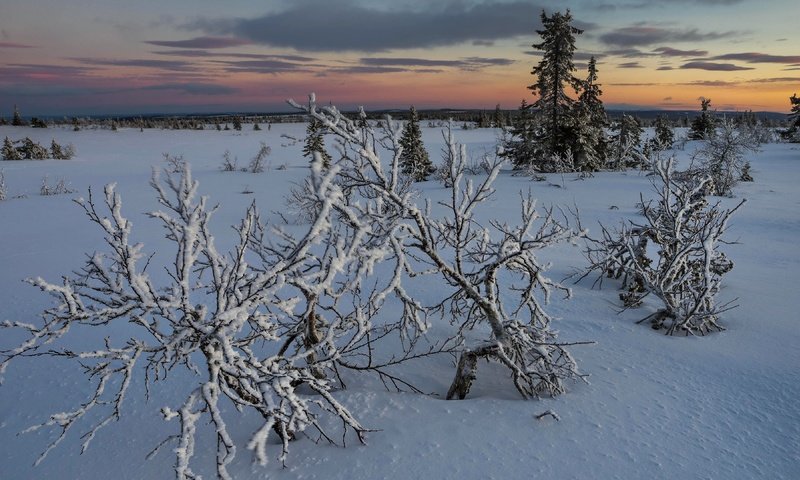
(468, 369)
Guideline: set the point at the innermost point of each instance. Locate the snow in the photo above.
(720, 406)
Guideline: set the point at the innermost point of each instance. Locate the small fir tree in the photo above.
(17, 120)
(590, 118)
(59, 152)
(237, 123)
(626, 144)
(483, 120)
(31, 150)
(56, 151)
(519, 146)
(702, 126)
(414, 158)
(793, 133)
(499, 119)
(10, 152)
(315, 143)
(664, 136)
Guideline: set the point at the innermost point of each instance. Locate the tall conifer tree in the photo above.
(553, 74)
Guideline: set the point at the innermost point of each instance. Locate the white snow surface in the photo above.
(724, 406)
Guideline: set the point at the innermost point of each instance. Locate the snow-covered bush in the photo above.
(58, 188)
(59, 152)
(227, 318)
(258, 162)
(482, 165)
(30, 150)
(228, 163)
(27, 149)
(686, 271)
(722, 157)
(10, 151)
(472, 259)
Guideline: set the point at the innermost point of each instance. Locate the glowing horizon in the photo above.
(149, 57)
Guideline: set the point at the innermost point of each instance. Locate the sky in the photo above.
(81, 57)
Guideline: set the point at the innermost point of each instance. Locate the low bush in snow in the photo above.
(59, 188)
(27, 149)
(685, 272)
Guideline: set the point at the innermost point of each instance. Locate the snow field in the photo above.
(720, 406)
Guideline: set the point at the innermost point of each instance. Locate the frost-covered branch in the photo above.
(470, 257)
(221, 316)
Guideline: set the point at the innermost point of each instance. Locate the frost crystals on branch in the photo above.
(219, 316)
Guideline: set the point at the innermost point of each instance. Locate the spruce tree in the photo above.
(17, 120)
(9, 151)
(793, 133)
(626, 144)
(520, 145)
(553, 74)
(315, 143)
(414, 158)
(702, 126)
(237, 123)
(31, 150)
(794, 116)
(589, 143)
(498, 120)
(483, 120)
(664, 134)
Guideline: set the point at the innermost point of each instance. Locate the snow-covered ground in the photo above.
(722, 406)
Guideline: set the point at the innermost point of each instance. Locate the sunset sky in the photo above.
(145, 56)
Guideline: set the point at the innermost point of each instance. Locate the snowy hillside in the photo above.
(721, 406)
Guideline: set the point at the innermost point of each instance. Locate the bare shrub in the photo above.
(228, 163)
(175, 163)
(723, 157)
(259, 162)
(225, 316)
(59, 188)
(470, 258)
(687, 271)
